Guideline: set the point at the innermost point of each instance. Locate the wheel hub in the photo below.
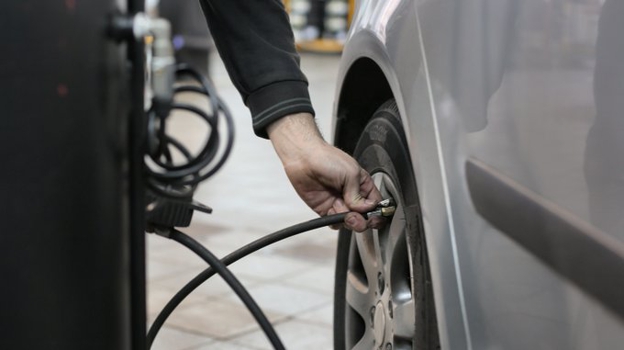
(379, 323)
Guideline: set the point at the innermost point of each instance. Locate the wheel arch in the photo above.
(364, 88)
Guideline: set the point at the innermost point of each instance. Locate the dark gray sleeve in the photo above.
(256, 43)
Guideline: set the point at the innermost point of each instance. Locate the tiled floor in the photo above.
(292, 281)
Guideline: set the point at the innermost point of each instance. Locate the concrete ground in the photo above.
(292, 281)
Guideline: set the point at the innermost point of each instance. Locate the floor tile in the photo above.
(323, 316)
(222, 346)
(295, 335)
(320, 279)
(213, 287)
(318, 247)
(286, 300)
(219, 318)
(174, 339)
(268, 266)
(176, 255)
(157, 269)
(157, 298)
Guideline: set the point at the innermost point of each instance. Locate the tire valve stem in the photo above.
(385, 208)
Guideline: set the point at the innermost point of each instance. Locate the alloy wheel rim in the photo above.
(380, 307)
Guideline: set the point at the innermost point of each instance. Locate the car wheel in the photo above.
(383, 297)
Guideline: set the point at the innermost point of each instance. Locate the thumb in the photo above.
(360, 193)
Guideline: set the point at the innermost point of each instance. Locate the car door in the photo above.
(530, 100)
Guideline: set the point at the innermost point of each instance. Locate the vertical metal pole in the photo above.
(137, 127)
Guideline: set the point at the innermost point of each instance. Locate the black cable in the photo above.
(205, 155)
(179, 181)
(184, 69)
(177, 173)
(232, 258)
(232, 281)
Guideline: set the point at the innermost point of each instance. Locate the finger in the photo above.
(355, 222)
(368, 190)
(331, 211)
(367, 195)
(376, 222)
(339, 206)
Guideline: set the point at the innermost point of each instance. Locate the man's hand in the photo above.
(328, 180)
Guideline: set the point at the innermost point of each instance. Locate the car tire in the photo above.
(383, 296)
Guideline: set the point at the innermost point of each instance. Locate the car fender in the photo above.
(380, 44)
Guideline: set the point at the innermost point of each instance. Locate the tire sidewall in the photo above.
(382, 147)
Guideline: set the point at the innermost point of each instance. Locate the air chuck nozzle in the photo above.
(385, 208)
(388, 211)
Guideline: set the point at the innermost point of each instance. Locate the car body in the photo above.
(513, 112)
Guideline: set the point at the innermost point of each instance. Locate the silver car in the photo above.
(498, 128)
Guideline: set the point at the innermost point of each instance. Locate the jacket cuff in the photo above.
(277, 100)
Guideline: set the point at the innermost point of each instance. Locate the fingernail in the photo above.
(370, 202)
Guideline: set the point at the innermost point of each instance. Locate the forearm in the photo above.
(256, 43)
(294, 136)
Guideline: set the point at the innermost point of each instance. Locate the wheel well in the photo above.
(364, 89)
